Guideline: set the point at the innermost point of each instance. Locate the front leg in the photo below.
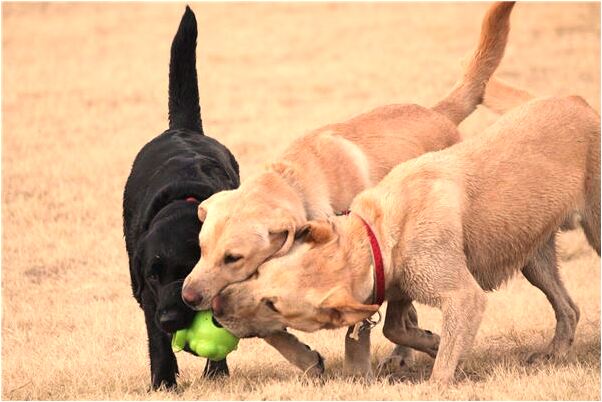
(164, 365)
(297, 353)
(357, 351)
(214, 369)
(441, 278)
(462, 311)
(444, 281)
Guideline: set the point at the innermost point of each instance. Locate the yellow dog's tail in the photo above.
(469, 91)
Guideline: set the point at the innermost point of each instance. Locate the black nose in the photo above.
(191, 297)
(170, 321)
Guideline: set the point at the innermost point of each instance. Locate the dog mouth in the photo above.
(173, 321)
(234, 328)
(242, 332)
(171, 329)
(216, 322)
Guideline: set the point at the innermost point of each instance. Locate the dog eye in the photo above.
(154, 271)
(270, 304)
(231, 258)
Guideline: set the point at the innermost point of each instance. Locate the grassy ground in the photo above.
(84, 87)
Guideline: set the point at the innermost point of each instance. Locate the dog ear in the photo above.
(340, 309)
(202, 209)
(136, 276)
(319, 231)
(206, 204)
(202, 212)
(282, 235)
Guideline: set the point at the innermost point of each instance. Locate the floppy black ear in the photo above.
(137, 277)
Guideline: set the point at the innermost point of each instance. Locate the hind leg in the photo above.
(542, 272)
(591, 227)
(357, 352)
(591, 224)
(591, 212)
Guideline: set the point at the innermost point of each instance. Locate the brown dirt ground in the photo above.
(85, 86)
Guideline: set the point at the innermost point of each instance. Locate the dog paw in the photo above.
(553, 352)
(538, 357)
(216, 369)
(545, 356)
(317, 369)
(163, 385)
(359, 372)
(314, 375)
(391, 365)
(399, 361)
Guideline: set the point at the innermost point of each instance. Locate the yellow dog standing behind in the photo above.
(451, 225)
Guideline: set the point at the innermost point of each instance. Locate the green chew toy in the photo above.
(204, 338)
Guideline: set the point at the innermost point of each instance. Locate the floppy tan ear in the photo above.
(285, 236)
(319, 231)
(342, 310)
(281, 232)
(202, 211)
(206, 204)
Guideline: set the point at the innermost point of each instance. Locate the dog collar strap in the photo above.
(192, 200)
(378, 296)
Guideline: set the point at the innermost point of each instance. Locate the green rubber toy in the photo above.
(204, 338)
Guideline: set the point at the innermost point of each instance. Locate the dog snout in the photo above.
(170, 321)
(191, 297)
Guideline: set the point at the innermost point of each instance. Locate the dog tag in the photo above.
(355, 334)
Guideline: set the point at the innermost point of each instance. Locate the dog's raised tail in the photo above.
(184, 106)
(469, 91)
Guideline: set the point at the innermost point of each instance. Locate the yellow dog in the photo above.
(447, 226)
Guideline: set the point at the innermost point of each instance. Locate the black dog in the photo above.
(170, 176)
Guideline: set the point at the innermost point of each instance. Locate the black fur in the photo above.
(160, 226)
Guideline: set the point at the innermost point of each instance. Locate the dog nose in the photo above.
(217, 305)
(191, 297)
(168, 320)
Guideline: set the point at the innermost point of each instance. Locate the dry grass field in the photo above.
(85, 86)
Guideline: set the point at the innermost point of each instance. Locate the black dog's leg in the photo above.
(216, 369)
(164, 365)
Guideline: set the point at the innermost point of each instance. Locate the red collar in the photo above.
(378, 294)
(192, 200)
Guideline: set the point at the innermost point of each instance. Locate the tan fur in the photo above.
(451, 225)
(321, 172)
(468, 93)
(501, 97)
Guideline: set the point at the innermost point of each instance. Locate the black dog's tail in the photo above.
(184, 106)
